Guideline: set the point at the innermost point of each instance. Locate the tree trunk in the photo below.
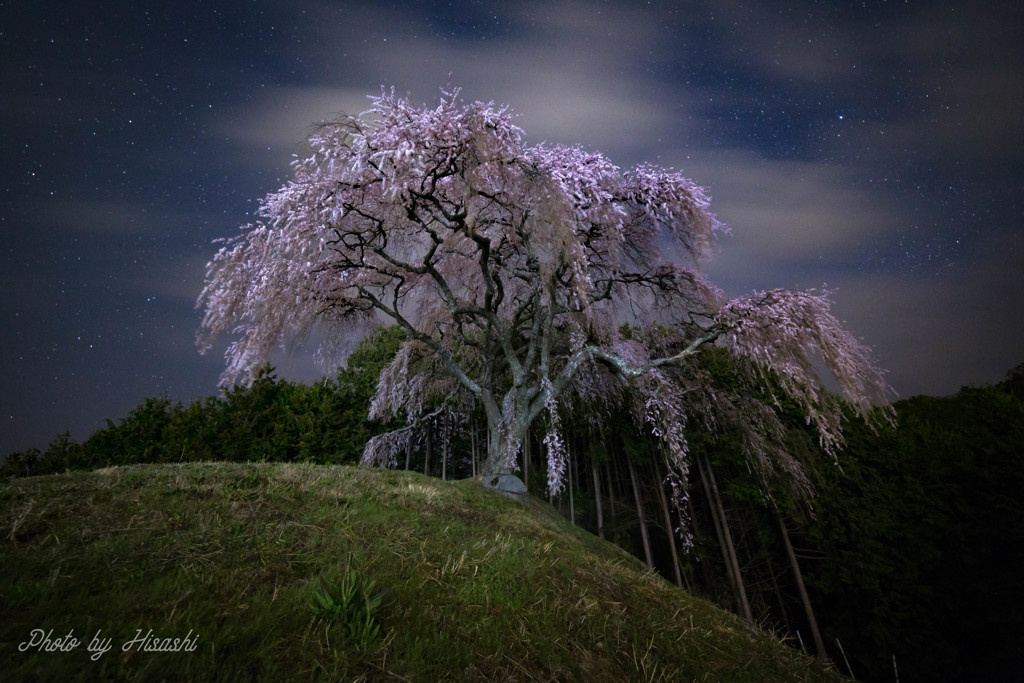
(640, 513)
(408, 452)
(526, 461)
(472, 445)
(506, 433)
(611, 488)
(695, 529)
(571, 472)
(668, 527)
(815, 633)
(597, 497)
(426, 457)
(498, 445)
(608, 473)
(717, 523)
(730, 549)
(778, 591)
(744, 603)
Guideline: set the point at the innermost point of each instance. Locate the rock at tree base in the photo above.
(508, 485)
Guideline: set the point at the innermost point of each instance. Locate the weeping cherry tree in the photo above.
(525, 278)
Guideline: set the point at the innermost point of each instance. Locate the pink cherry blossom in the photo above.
(513, 270)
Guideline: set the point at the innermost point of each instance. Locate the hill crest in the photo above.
(470, 585)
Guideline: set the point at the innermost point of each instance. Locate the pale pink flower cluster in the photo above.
(557, 455)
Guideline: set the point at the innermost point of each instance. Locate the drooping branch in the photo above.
(525, 278)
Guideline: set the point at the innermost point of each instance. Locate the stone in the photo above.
(508, 485)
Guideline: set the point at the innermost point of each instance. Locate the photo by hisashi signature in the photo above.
(42, 640)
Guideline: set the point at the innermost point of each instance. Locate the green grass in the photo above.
(456, 583)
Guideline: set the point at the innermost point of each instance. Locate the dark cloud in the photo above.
(938, 333)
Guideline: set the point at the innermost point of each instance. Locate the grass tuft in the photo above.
(353, 603)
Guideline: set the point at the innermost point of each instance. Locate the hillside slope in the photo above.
(247, 566)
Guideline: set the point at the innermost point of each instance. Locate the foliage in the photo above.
(511, 269)
(270, 419)
(922, 538)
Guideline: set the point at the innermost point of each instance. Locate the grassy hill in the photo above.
(304, 572)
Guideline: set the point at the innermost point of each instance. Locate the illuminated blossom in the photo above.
(525, 277)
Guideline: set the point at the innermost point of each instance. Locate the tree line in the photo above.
(268, 419)
(906, 563)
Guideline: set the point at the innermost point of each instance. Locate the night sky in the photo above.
(873, 147)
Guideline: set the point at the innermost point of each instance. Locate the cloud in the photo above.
(793, 223)
(281, 118)
(96, 217)
(940, 331)
(976, 115)
(604, 100)
(957, 92)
